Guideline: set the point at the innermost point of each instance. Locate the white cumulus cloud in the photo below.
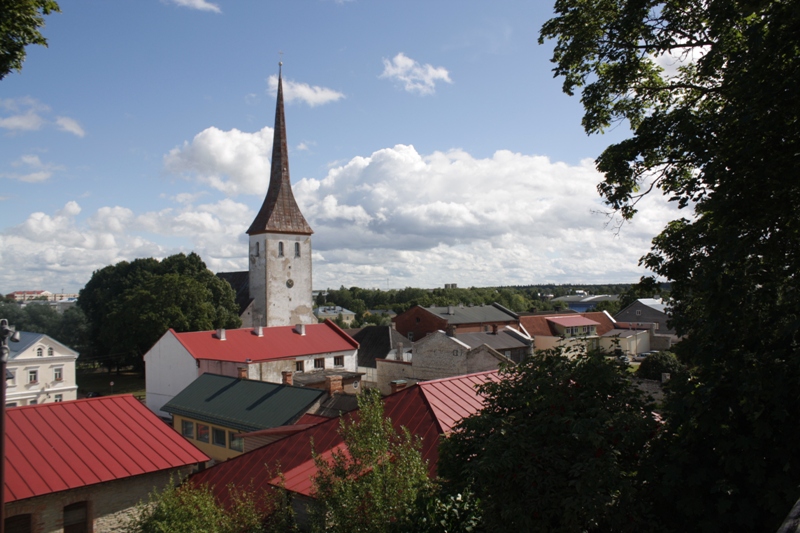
(70, 125)
(33, 169)
(311, 95)
(234, 162)
(201, 5)
(414, 77)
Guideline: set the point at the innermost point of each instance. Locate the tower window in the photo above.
(280, 249)
(258, 249)
(297, 249)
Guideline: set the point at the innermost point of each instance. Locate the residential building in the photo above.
(21, 296)
(332, 312)
(436, 356)
(428, 410)
(378, 342)
(278, 283)
(510, 342)
(85, 465)
(650, 310)
(568, 330)
(213, 410)
(417, 322)
(313, 352)
(42, 370)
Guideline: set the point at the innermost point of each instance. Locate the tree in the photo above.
(659, 363)
(20, 21)
(374, 484)
(129, 306)
(718, 133)
(555, 447)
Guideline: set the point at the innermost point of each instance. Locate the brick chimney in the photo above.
(398, 385)
(242, 372)
(451, 330)
(494, 329)
(333, 384)
(287, 377)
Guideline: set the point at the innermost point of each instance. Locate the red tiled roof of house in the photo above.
(60, 446)
(281, 342)
(570, 321)
(427, 411)
(539, 325)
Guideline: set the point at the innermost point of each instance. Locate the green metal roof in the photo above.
(241, 404)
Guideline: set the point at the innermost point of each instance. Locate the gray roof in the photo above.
(460, 314)
(28, 339)
(242, 404)
(375, 342)
(240, 282)
(653, 303)
(504, 340)
(587, 298)
(332, 310)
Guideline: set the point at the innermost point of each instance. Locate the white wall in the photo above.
(169, 369)
(20, 392)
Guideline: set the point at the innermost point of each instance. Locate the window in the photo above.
(237, 443)
(410, 335)
(33, 376)
(338, 360)
(638, 312)
(76, 518)
(298, 366)
(39, 352)
(58, 374)
(50, 351)
(59, 398)
(218, 436)
(11, 404)
(280, 249)
(319, 363)
(18, 524)
(202, 432)
(258, 248)
(187, 429)
(33, 402)
(12, 380)
(297, 249)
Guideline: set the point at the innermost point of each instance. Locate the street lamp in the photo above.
(6, 332)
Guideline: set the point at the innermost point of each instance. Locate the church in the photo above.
(276, 290)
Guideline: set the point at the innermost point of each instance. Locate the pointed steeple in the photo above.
(279, 213)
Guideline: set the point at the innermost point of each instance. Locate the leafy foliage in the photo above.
(718, 133)
(555, 448)
(69, 328)
(373, 484)
(20, 21)
(131, 305)
(658, 363)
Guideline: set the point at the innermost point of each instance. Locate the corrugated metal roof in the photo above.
(241, 404)
(570, 321)
(427, 411)
(282, 342)
(538, 325)
(53, 447)
(476, 314)
(503, 340)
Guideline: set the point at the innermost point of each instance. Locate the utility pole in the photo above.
(6, 332)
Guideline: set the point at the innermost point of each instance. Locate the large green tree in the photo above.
(718, 132)
(20, 21)
(129, 306)
(555, 448)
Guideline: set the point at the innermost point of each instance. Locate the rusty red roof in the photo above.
(539, 325)
(569, 321)
(53, 447)
(281, 342)
(427, 411)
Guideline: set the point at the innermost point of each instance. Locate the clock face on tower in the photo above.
(290, 283)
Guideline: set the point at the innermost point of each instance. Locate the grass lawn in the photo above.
(100, 381)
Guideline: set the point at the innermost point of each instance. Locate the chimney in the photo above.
(242, 372)
(398, 385)
(451, 330)
(494, 329)
(451, 310)
(258, 331)
(333, 384)
(301, 329)
(221, 334)
(287, 377)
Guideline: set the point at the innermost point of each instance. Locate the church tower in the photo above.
(280, 244)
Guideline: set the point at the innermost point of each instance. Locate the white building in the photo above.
(304, 354)
(40, 370)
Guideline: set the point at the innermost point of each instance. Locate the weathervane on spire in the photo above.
(280, 62)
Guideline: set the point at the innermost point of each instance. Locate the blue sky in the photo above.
(429, 144)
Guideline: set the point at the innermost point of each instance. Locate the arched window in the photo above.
(297, 249)
(257, 249)
(39, 352)
(280, 249)
(50, 351)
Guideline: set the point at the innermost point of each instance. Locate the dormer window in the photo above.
(280, 249)
(50, 351)
(297, 249)
(39, 351)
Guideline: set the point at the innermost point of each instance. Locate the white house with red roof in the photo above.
(306, 354)
(85, 465)
(593, 329)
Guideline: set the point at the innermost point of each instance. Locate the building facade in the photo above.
(40, 370)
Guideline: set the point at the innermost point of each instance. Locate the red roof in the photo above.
(281, 342)
(60, 446)
(570, 321)
(539, 325)
(427, 411)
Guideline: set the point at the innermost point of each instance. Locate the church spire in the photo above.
(279, 213)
